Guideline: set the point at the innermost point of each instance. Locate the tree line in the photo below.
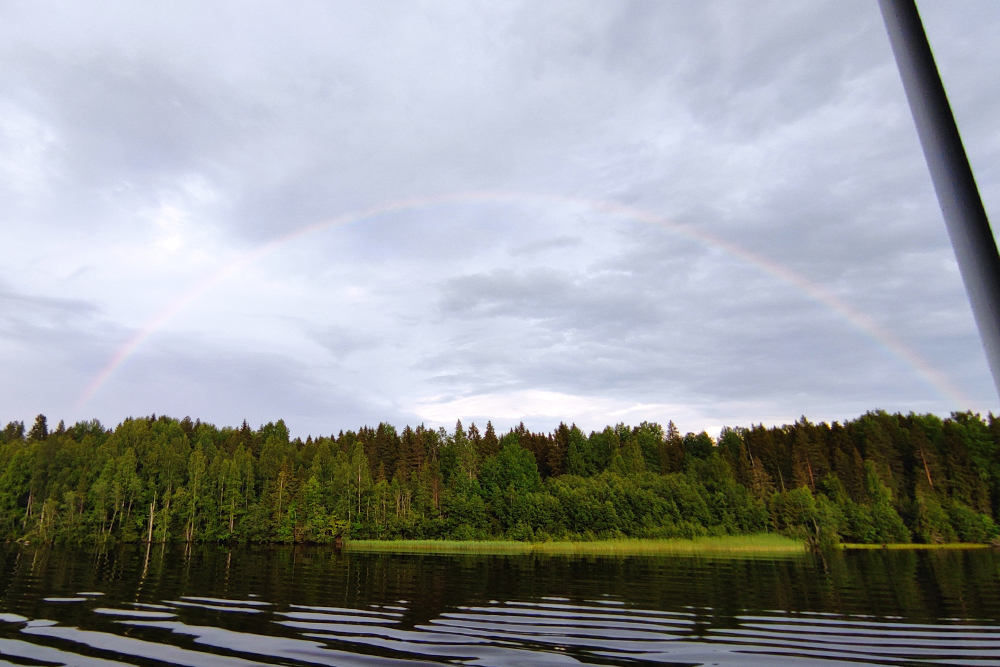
(879, 478)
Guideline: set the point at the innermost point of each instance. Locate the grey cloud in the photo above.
(48, 346)
(729, 335)
(342, 342)
(545, 245)
(123, 118)
(42, 310)
(544, 295)
(183, 376)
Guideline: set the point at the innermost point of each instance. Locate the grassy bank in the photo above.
(949, 545)
(736, 545)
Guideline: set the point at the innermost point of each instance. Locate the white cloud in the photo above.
(27, 152)
(544, 409)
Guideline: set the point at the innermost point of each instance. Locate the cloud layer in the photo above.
(145, 149)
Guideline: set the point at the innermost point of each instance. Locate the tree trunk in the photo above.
(27, 512)
(152, 514)
(166, 509)
(927, 470)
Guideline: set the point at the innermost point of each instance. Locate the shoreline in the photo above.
(764, 544)
(758, 544)
(912, 546)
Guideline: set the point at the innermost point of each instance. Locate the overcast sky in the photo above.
(672, 195)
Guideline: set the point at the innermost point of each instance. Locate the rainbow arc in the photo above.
(859, 321)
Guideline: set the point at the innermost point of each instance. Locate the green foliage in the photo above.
(971, 526)
(800, 514)
(514, 468)
(931, 524)
(697, 446)
(879, 479)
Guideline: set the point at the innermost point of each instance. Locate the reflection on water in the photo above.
(219, 607)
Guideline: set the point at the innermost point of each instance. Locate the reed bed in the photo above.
(735, 545)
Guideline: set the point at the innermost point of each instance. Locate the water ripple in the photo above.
(416, 612)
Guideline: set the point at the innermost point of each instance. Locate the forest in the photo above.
(880, 478)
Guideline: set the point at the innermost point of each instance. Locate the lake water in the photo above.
(211, 606)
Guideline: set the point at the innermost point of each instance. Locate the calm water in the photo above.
(216, 607)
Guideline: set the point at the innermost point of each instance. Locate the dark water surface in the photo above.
(221, 607)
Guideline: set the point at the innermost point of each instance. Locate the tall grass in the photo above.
(735, 545)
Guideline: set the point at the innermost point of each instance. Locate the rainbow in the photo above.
(858, 320)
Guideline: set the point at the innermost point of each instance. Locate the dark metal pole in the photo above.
(958, 196)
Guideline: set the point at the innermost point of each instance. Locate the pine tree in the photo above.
(465, 453)
(672, 450)
(558, 445)
(490, 445)
(577, 459)
(40, 430)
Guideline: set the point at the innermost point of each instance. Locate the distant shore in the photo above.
(158, 479)
(765, 544)
(914, 546)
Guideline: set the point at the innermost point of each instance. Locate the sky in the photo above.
(342, 213)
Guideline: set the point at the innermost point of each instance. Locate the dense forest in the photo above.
(879, 478)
